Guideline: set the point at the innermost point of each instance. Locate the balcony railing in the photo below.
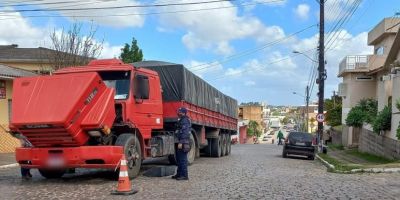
(361, 63)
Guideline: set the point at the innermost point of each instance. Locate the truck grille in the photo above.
(49, 137)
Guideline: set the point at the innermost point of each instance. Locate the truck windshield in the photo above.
(119, 80)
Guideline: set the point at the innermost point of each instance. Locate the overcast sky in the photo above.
(243, 47)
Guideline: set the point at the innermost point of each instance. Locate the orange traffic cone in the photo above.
(124, 184)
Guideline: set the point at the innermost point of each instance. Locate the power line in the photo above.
(118, 7)
(260, 68)
(353, 9)
(140, 14)
(20, 4)
(249, 51)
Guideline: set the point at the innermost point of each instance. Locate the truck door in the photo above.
(148, 105)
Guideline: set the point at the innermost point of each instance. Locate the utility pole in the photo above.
(307, 104)
(321, 68)
(334, 98)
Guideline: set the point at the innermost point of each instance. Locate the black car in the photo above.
(299, 143)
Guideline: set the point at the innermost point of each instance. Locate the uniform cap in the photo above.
(182, 110)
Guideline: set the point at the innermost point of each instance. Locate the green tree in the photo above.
(383, 120)
(285, 120)
(365, 111)
(252, 129)
(312, 123)
(131, 53)
(276, 113)
(333, 109)
(355, 117)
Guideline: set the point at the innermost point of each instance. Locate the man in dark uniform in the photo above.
(183, 128)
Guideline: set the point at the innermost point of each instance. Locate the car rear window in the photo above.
(296, 136)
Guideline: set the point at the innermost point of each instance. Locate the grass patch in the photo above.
(335, 147)
(370, 157)
(337, 164)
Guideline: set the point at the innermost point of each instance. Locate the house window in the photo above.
(3, 90)
(379, 50)
(364, 78)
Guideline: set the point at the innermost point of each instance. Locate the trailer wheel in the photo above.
(132, 151)
(52, 173)
(192, 153)
(190, 156)
(223, 144)
(228, 144)
(215, 147)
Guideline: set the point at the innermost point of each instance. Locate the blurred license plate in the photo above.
(55, 162)
(301, 143)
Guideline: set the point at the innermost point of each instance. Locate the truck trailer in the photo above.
(90, 116)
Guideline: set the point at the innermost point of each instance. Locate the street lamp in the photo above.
(298, 52)
(307, 97)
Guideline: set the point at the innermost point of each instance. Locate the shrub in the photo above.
(383, 120)
(355, 117)
(365, 111)
(370, 108)
(398, 128)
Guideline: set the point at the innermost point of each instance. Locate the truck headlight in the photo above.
(94, 133)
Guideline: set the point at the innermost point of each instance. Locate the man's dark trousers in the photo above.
(181, 158)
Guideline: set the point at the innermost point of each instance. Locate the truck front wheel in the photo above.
(52, 173)
(132, 151)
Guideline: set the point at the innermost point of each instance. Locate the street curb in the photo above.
(328, 165)
(9, 166)
(331, 168)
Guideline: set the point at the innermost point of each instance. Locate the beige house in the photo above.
(7, 74)
(252, 112)
(312, 114)
(371, 76)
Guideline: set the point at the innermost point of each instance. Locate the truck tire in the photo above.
(132, 151)
(215, 147)
(190, 156)
(223, 146)
(228, 144)
(192, 153)
(207, 149)
(52, 173)
(172, 159)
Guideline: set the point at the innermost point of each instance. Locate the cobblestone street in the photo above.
(251, 172)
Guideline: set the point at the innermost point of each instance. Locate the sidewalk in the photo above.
(352, 159)
(7, 159)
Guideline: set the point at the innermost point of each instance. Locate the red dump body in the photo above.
(59, 109)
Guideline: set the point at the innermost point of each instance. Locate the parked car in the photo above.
(266, 137)
(299, 143)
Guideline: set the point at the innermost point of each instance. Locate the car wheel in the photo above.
(311, 157)
(284, 154)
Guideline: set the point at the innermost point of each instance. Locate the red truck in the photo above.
(89, 116)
